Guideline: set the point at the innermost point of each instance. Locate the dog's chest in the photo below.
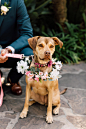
(40, 88)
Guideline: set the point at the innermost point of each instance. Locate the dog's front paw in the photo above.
(23, 114)
(56, 111)
(49, 119)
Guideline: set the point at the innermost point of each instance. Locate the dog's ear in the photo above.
(33, 41)
(57, 41)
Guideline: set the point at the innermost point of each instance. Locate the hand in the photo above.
(5, 51)
(3, 58)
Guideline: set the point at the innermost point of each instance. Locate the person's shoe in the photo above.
(15, 87)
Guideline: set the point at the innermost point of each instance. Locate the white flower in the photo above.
(53, 60)
(54, 74)
(4, 10)
(37, 76)
(22, 66)
(58, 65)
(43, 77)
(27, 59)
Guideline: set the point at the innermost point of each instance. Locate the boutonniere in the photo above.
(5, 8)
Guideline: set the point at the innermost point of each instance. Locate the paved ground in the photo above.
(73, 104)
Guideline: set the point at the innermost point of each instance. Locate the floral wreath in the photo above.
(33, 73)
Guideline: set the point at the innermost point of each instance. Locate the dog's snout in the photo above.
(47, 53)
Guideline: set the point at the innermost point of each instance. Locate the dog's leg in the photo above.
(56, 110)
(56, 100)
(26, 105)
(49, 117)
(32, 102)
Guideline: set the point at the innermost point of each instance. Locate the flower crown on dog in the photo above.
(5, 8)
(33, 73)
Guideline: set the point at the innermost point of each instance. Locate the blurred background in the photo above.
(65, 19)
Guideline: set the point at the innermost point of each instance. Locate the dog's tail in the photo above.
(62, 92)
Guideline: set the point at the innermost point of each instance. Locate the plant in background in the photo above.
(72, 35)
(73, 39)
(83, 37)
(40, 14)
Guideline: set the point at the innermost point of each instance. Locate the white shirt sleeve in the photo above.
(12, 49)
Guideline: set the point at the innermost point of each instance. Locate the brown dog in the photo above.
(45, 92)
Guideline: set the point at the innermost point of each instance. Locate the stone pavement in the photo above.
(73, 104)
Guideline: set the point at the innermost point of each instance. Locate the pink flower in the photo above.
(31, 75)
(28, 72)
(45, 75)
(37, 79)
(40, 73)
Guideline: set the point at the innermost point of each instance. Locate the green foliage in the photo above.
(7, 4)
(75, 10)
(40, 14)
(73, 49)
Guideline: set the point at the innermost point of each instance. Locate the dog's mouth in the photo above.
(44, 58)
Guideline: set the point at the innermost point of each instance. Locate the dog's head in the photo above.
(44, 47)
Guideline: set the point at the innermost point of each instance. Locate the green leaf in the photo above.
(60, 27)
(32, 69)
(37, 70)
(43, 5)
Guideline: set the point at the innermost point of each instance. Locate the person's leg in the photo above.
(9, 64)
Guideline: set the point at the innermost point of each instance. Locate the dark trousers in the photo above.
(12, 63)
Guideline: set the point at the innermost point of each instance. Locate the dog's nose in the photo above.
(47, 53)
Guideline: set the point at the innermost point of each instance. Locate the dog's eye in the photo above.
(40, 45)
(51, 46)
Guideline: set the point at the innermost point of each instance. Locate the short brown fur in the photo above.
(45, 92)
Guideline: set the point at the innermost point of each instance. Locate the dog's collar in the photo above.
(43, 65)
